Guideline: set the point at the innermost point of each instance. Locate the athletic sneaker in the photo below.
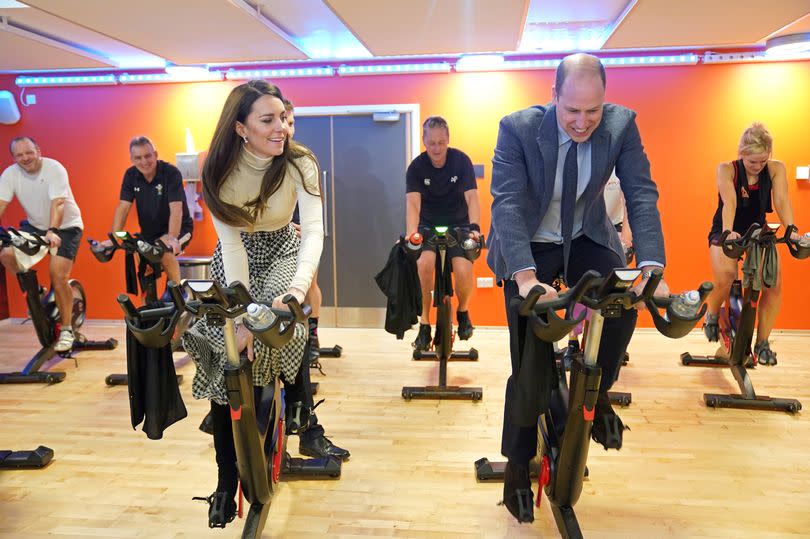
(465, 327)
(710, 327)
(764, 354)
(65, 342)
(422, 341)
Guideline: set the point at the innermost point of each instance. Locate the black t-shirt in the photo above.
(442, 189)
(152, 199)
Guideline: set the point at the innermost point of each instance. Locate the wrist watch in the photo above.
(646, 275)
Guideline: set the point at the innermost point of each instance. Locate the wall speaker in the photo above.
(9, 113)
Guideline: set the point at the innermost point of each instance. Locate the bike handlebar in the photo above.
(763, 235)
(611, 293)
(25, 244)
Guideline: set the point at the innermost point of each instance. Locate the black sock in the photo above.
(227, 474)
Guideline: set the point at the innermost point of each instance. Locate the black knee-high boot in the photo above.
(221, 504)
(227, 474)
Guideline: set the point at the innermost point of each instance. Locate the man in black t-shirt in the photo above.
(156, 187)
(441, 191)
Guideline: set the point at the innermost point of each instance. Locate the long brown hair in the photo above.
(223, 154)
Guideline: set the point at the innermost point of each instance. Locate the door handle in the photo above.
(325, 205)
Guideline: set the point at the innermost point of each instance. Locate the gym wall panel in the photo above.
(690, 119)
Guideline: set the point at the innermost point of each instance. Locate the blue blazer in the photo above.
(523, 172)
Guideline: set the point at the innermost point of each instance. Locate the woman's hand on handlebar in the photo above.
(279, 304)
(297, 228)
(733, 236)
(244, 339)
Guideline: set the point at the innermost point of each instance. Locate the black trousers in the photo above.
(299, 390)
(520, 443)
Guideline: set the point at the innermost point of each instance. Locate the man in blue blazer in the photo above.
(526, 241)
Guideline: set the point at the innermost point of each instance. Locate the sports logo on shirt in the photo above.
(137, 189)
(454, 179)
(427, 181)
(159, 189)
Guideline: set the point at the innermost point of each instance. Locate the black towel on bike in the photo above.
(154, 395)
(399, 281)
(536, 374)
(131, 274)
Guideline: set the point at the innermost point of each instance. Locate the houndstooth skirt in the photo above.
(272, 258)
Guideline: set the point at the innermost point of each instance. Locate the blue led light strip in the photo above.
(394, 69)
(80, 80)
(279, 73)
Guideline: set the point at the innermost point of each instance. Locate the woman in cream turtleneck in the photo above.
(252, 178)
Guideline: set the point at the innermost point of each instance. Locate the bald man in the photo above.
(526, 238)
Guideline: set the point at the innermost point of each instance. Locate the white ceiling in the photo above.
(123, 34)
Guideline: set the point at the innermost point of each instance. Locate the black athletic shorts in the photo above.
(71, 239)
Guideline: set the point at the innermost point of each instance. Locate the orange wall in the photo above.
(690, 118)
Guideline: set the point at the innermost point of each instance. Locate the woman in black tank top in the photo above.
(749, 188)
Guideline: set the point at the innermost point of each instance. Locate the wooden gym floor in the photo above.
(684, 471)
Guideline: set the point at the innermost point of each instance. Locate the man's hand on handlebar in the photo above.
(662, 291)
(527, 279)
(172, 243)
(733, 236)
(53, 238)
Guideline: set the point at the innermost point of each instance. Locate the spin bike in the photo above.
(257, 413)
(44, 313)
(564, 429)
(735, 352)
(150, 255)
(576, 346)
(442, 294)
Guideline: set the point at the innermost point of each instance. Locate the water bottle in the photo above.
(804, 241)
(259, 317)
(414, 242)
(151, 252)
(685, 305)
(469, 244)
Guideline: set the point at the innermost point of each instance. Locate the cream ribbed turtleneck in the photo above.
(243, 185)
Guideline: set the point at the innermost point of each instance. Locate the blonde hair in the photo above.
(755, 139)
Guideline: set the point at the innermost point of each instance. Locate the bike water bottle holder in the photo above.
(680, 316)
(282, 329)
(163, 322)
(799, 249)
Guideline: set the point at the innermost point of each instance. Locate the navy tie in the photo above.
(569, 197)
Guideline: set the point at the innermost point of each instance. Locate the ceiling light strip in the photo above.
(151, 78)
(292, 72)
(393, 69)
(74, 80)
